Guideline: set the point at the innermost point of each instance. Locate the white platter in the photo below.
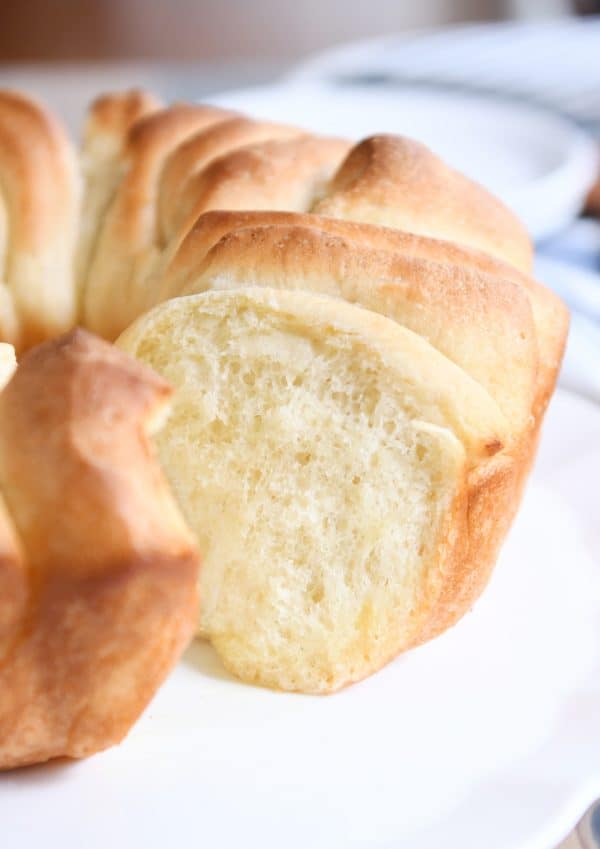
(541, 165)
(487, 737)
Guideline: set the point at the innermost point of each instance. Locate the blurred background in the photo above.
(225, 30)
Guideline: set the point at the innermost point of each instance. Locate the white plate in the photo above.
(487, 737)
(552, 61)
(540, 164)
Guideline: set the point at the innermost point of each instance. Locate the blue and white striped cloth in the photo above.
(570, 263)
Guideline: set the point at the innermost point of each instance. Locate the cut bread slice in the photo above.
(452, 296)
(451, 306)
(323, 456)
(550, 316)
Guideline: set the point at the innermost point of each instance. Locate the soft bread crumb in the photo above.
(320, 500)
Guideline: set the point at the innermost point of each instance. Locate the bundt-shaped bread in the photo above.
(361, 359)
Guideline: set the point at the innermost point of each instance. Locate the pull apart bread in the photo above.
(361, 363)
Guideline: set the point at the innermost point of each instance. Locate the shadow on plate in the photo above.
(38, 773)
(203, 658)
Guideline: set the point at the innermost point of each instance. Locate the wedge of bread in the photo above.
(327, 460)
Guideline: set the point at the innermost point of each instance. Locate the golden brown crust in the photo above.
(111, 116)
(177, 191)
(95, 552)
(107, 127)
(276, 174)
(39, 188)
(398, 182)
(550, 315)
(452, 307)
(129, 229)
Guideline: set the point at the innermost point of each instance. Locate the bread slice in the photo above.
(504, 329)
(451, 306)
(549, 313)
(322, 455)
(103, 164)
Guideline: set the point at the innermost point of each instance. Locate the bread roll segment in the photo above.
(103, 154)
(449, 305)
(452, 306)
(126, 242)
(39, 197)
(398, 182)
(98, 571)
(550, 317)
(321, 454)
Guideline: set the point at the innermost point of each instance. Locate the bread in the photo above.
(147, 173)
(451, 305)
(399, 182)
(103, 157)
(185, 271)
(322, 456)
(98, 571)
(182, 162)
(39, 194)
(450, 296)
(361, 360)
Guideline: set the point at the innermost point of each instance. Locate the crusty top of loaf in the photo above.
(550, 316)
(399, 182)
(177, 192)
(38, 168)
(111, 116)
(40, 191)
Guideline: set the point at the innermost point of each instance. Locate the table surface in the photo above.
(68, 89)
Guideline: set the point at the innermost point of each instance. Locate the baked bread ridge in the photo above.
(125, 242)
(233, 162)
(177, 191)
(450, 306)
(39, 196)
(549, 313)
(102, 160)
(150, 171)
(223, 247)
(249, 366)
(95, 558)
(399, 182)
